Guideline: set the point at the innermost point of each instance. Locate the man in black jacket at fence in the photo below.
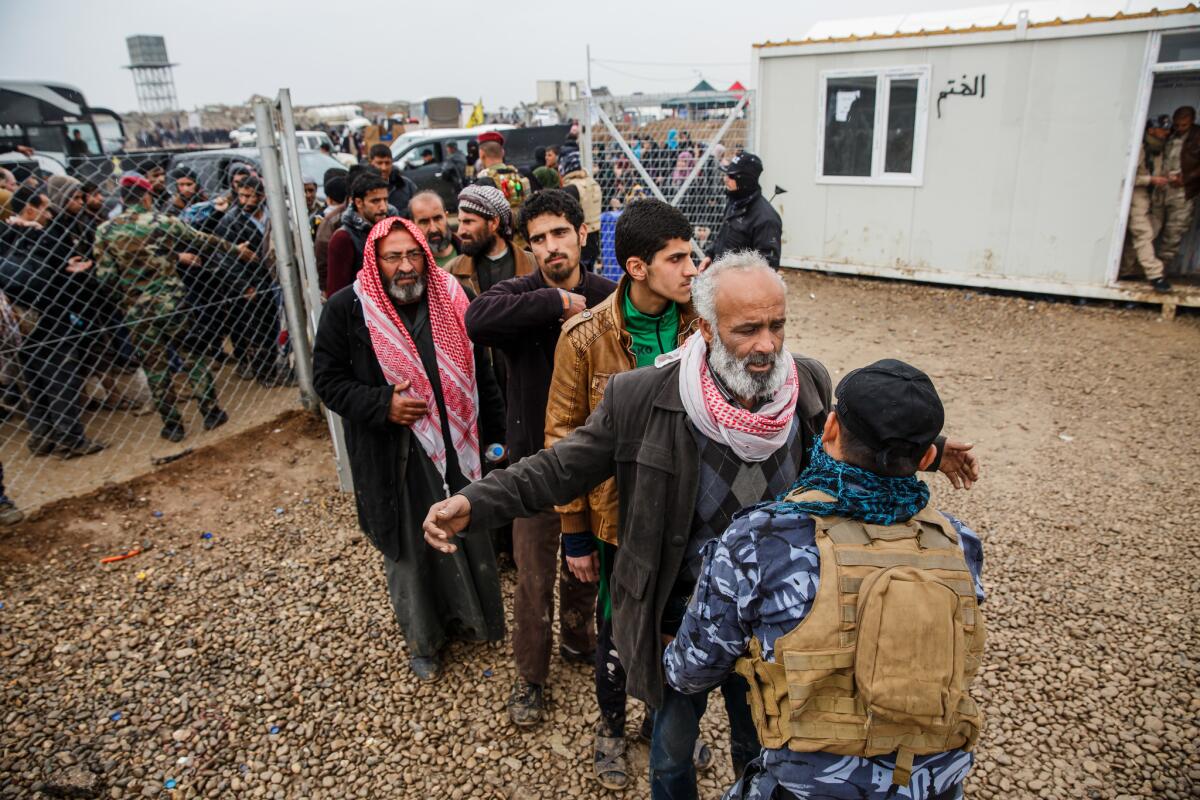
(253, 314)
(71, 308)
(521, 318)
(750, 223)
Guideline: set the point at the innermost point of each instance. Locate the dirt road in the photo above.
(263, 661)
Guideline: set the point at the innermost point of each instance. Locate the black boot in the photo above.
(82, 447)
(173, 431)
(215, 417)
(40, 446)
(1160, 285)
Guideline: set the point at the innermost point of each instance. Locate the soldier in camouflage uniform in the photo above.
(135, 255)
(1175, 209)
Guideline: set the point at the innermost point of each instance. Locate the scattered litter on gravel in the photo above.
(249, 651)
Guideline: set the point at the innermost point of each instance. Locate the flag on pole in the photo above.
(476, 117)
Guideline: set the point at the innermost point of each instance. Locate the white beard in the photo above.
(738, 379)
(407, 294)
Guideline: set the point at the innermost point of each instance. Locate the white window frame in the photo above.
(883, 78)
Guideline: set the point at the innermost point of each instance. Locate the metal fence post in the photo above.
(295, 180)
(585, 133)
(284, 262)
(294, 183)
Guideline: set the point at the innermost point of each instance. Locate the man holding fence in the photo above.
(135, 256)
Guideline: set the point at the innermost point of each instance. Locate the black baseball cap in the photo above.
(891, 406)
(744, 164)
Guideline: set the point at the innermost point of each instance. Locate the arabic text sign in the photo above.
(977, 87)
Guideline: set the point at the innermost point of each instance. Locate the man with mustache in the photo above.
(429, 212)
(485, 235)
(521, 319)
(392, 357)
(726, 421)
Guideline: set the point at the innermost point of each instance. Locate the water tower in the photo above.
(152, 76)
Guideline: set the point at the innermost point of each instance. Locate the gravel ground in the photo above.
(263, 661)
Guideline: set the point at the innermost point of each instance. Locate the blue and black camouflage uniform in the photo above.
(759, 579)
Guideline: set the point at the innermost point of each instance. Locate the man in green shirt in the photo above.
(649, 314)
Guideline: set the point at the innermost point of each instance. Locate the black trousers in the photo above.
(610, 675)
(54, 377)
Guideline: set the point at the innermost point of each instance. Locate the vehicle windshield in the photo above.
(313, 163)
(404, 140)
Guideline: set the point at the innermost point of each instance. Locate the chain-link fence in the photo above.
(668, 146)
(140, 315)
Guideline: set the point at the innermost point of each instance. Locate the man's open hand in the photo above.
(959, 464)
(444, 520)
(405, 410)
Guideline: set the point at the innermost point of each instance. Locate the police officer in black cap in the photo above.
(750, 222)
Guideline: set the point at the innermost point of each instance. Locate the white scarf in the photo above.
(753, 436)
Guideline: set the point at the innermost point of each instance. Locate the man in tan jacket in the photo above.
(649, 314)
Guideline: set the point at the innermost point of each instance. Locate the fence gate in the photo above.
(668, 146)
(276, 125)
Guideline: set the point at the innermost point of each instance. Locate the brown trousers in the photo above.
(537, 551)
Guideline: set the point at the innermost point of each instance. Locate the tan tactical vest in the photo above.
(884, 660)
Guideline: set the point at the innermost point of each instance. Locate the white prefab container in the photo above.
(990, 147)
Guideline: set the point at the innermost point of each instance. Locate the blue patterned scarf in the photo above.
(860, 494)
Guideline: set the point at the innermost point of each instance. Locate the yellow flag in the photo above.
(476, 117)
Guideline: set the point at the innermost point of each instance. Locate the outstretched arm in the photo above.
(570, 468)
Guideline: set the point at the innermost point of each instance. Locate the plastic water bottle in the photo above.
(494, 453)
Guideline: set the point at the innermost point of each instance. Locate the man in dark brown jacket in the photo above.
(1184, 124)
(485, 232)
(649, 314)
(690, 441)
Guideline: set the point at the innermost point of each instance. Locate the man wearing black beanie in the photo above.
(750, 223)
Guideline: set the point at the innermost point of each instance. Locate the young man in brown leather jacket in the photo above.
(649, 314)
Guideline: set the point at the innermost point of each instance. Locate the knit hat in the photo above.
(488, 201)
(569, 162)
(60, 188)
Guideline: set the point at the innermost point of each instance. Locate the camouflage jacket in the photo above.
(136, 254)
(760, 579)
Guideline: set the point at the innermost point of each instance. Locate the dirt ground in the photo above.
(133, 441)
(263, 661)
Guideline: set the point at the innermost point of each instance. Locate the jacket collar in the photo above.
(687, 315)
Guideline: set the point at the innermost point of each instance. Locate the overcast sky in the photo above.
(344, 50)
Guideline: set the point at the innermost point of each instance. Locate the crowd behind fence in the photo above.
(142, 305)
(139, 314)
(670, 146)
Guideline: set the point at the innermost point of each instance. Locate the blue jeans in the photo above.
(677, 727)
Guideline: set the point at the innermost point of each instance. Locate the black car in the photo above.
(212, 166)
(426, 171)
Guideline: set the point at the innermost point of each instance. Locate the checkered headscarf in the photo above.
(488, 201)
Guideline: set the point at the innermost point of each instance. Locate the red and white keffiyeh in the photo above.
(400, 361)
(753, 436)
